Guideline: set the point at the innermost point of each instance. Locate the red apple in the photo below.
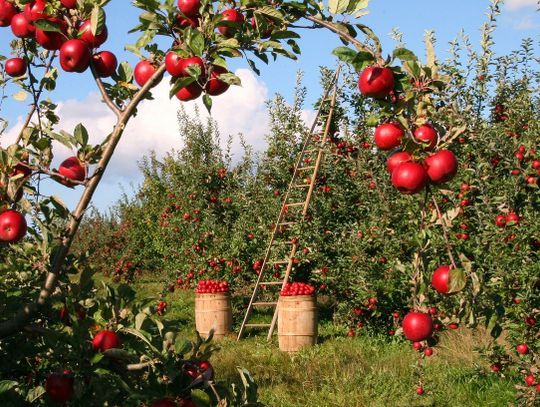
(34, 11)
(376, 82)
(530, 380)
(417, 326)
(143, 72)
(231, 16)
(427, 135)
(52, 40)
(12, 226)
(178, 66)
(409, 177)
(105, 340)
(440, 279)
(522, 349)
(59, 387)
(388, 135)
(15, 67)
(69, 4)
(7, 11)
(500, 221)
(73, 169)
(215, 86)
(164, 403)
(441, 167)
(397, 158)
(93, 41)
(512, 218)
(419, 390)
(189, 8)
(21, 27)
(195, 369)
(104, 63)
(190, 92)
(75, 56)
(187, 21)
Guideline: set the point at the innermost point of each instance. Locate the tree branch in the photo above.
(104, 94)
(445, 233)
(24, 315)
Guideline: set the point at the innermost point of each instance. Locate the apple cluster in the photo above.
(296, 288)
(408, 172)
(212, 287)
(507, 220)
(58, 29)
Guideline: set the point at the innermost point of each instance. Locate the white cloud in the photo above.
(518, 4)
(239, 110)
(526, 23)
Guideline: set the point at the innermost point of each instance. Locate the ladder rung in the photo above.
(281, 262)
(272, 283)
(258, 325)
(286, 223)
(295, 204)
(301, 186)
(311, 167)
(264, 304)
(316, 150)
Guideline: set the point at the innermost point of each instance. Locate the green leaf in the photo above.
(97, 20)
(179, 83)
(182, 347)
(81, 135)
(404, 54)
(139, 320)
(357, 5)
(139, 334)
(35, 394)
(194, 40)
(344, 54)
(271, 12)
(201, 399)
(457, 280)
(46, 25)
(207, 100)
(6, 385)
(338, 6)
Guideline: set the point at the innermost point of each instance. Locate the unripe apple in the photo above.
(215, 86)
(73, 169)
(233, 16)
(75, 56)
(21, 27)
(105, 63)
(388, 135)
(12, 226)
(93, 41)
(376, 82)
(189, 92)
(7, 11)
(427, 135)
(15, 67)
(409, 177)
(441, 167)
(52, 40)
(189, 8)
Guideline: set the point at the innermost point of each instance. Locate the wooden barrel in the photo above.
(213, 311)
(297, 322)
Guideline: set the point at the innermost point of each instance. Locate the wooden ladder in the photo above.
(291, 204)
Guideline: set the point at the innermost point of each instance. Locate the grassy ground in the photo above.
(361, 371)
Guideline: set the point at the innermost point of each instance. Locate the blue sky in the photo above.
(156, 127)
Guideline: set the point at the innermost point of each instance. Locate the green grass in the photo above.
(361, 371)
